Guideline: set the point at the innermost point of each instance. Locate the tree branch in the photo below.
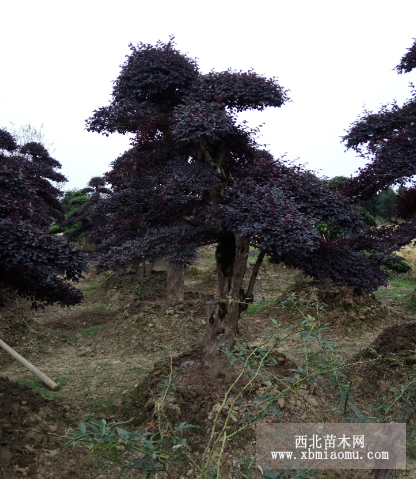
(248, 296)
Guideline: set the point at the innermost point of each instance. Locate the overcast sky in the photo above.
(58, 60)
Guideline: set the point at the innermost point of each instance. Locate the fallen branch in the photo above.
(52, 385)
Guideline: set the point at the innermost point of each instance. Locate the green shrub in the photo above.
(54, 229)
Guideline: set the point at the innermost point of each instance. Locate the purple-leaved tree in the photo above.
(387, 141)
(194, 176)
(33, 263)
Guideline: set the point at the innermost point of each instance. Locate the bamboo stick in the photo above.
(52, 385)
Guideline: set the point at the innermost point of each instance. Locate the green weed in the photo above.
(40, 349)
(91, 331)
(102, 308)
(89, 289)
(137, 370)
(411, 449)
(139, 291)
(40, 388)
(104, 365)
(399, 288)
(67, 339)
(102, 406)
(254, 309)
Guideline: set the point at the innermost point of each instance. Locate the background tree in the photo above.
(32, 262)
(194, 176)
(29, 134)
(387, 141)
(378, 208)
(79, 219)
(382, 205)
(71, 201)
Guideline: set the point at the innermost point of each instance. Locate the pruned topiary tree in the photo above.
(35, 264)
(387, 141)
(195, 176)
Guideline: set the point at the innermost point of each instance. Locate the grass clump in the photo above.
(89, 289)
(102, 308)
(399, 288)
(91, 331)
(66, 339)
(102, 406)
(41, 389)
(137, 370)
(254, 309)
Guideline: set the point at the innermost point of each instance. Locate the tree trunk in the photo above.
(222, 323)
(176, 279)
(144, 270)
(383, 473)
(224, 256)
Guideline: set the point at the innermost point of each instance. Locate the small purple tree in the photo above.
(32, 262)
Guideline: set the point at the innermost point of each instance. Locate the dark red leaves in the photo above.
(31, 259)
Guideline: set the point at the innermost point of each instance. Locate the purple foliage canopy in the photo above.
(193, 175)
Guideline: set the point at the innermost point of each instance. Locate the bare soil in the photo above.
(106, 354)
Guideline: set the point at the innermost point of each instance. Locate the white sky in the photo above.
(58, 60)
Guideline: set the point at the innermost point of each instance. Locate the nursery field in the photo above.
(112, 354)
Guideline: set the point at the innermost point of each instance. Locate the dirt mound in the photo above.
(374, 375)
(398, 338)
(195, 394)
(337, 303)
(31, 428)
(23, 429)
(332, 294)
(150, 288)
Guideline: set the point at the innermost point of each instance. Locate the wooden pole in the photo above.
(52, 385)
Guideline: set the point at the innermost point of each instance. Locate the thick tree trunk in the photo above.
(383, 473)
(176, 279)
(223, 320)
(144, 270)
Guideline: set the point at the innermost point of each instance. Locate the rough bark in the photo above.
(144, 270)
(224, 256)
(223, 320)
(384, 473)
(175, 280)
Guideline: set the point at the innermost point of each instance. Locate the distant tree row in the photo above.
(378, 209)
